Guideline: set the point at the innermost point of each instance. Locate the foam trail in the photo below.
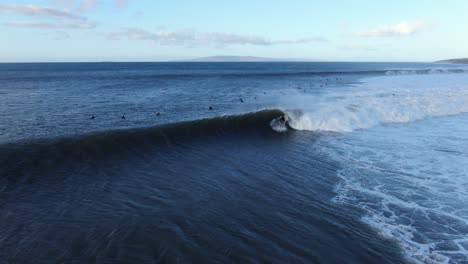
(390, 99)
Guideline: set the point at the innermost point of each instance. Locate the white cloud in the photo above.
(300, 41)
(38, 24)
(190, 38)
(404, 28)
(55, 18)
(86, 5)
(38, 11)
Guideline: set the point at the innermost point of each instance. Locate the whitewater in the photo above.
(403, 144)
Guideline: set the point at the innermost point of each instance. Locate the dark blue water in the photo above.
(43, 100)
(90, 172)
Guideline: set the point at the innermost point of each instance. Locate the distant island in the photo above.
(239, 59)
(458, 61)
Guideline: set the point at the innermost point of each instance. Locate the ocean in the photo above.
(180, 162)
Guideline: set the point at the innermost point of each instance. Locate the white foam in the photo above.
(276, 125)
(410, 178)
(389, 99)
(412, 182)
(460, 69)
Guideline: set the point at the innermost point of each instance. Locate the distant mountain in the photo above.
(458, 61)
(235, 59)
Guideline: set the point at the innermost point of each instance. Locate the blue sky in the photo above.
(152, 30)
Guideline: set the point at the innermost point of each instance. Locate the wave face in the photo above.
(380, 100)
(18, 157)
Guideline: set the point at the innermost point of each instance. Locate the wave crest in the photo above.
(381, 100)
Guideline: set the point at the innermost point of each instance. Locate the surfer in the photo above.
(283, 119)
(279, 124)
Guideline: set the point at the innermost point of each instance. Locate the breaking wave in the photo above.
(16, 158)
(378, 101)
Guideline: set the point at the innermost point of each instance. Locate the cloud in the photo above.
(404, 28)
(190, 38)
(86, 5)
(56, 18)
(64, 3)
(38, 11)
(38, 24)
(300, 41)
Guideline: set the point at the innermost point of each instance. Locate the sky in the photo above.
(154, 30)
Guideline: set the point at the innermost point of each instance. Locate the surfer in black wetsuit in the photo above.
(282, 119)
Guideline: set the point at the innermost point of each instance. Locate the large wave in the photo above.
(15, 158)
(380, 100)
